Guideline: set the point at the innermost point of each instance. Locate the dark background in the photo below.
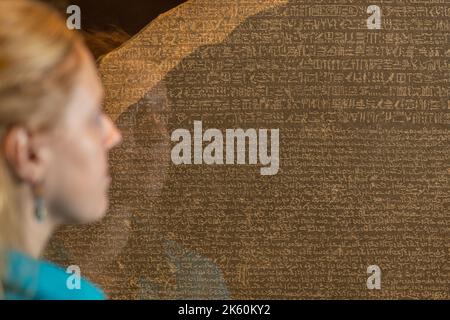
(107, 24)
(129, 15)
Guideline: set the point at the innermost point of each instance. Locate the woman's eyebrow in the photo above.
(101, 101)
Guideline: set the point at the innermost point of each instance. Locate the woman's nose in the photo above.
(113, 137)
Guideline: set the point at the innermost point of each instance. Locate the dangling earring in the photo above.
(39, 206)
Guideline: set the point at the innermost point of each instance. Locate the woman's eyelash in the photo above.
(98, 118)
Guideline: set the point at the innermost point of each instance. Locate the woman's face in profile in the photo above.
(77, 178)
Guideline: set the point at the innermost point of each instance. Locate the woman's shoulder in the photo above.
(29, 278)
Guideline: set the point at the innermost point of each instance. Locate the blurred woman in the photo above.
(54, 141)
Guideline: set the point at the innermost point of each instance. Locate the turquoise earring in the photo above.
(39, 206)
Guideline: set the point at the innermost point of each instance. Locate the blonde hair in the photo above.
(38, 63)
(101, 42)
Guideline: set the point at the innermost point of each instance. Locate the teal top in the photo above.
(31, 279)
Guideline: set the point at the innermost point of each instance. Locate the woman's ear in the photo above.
(24, 155)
